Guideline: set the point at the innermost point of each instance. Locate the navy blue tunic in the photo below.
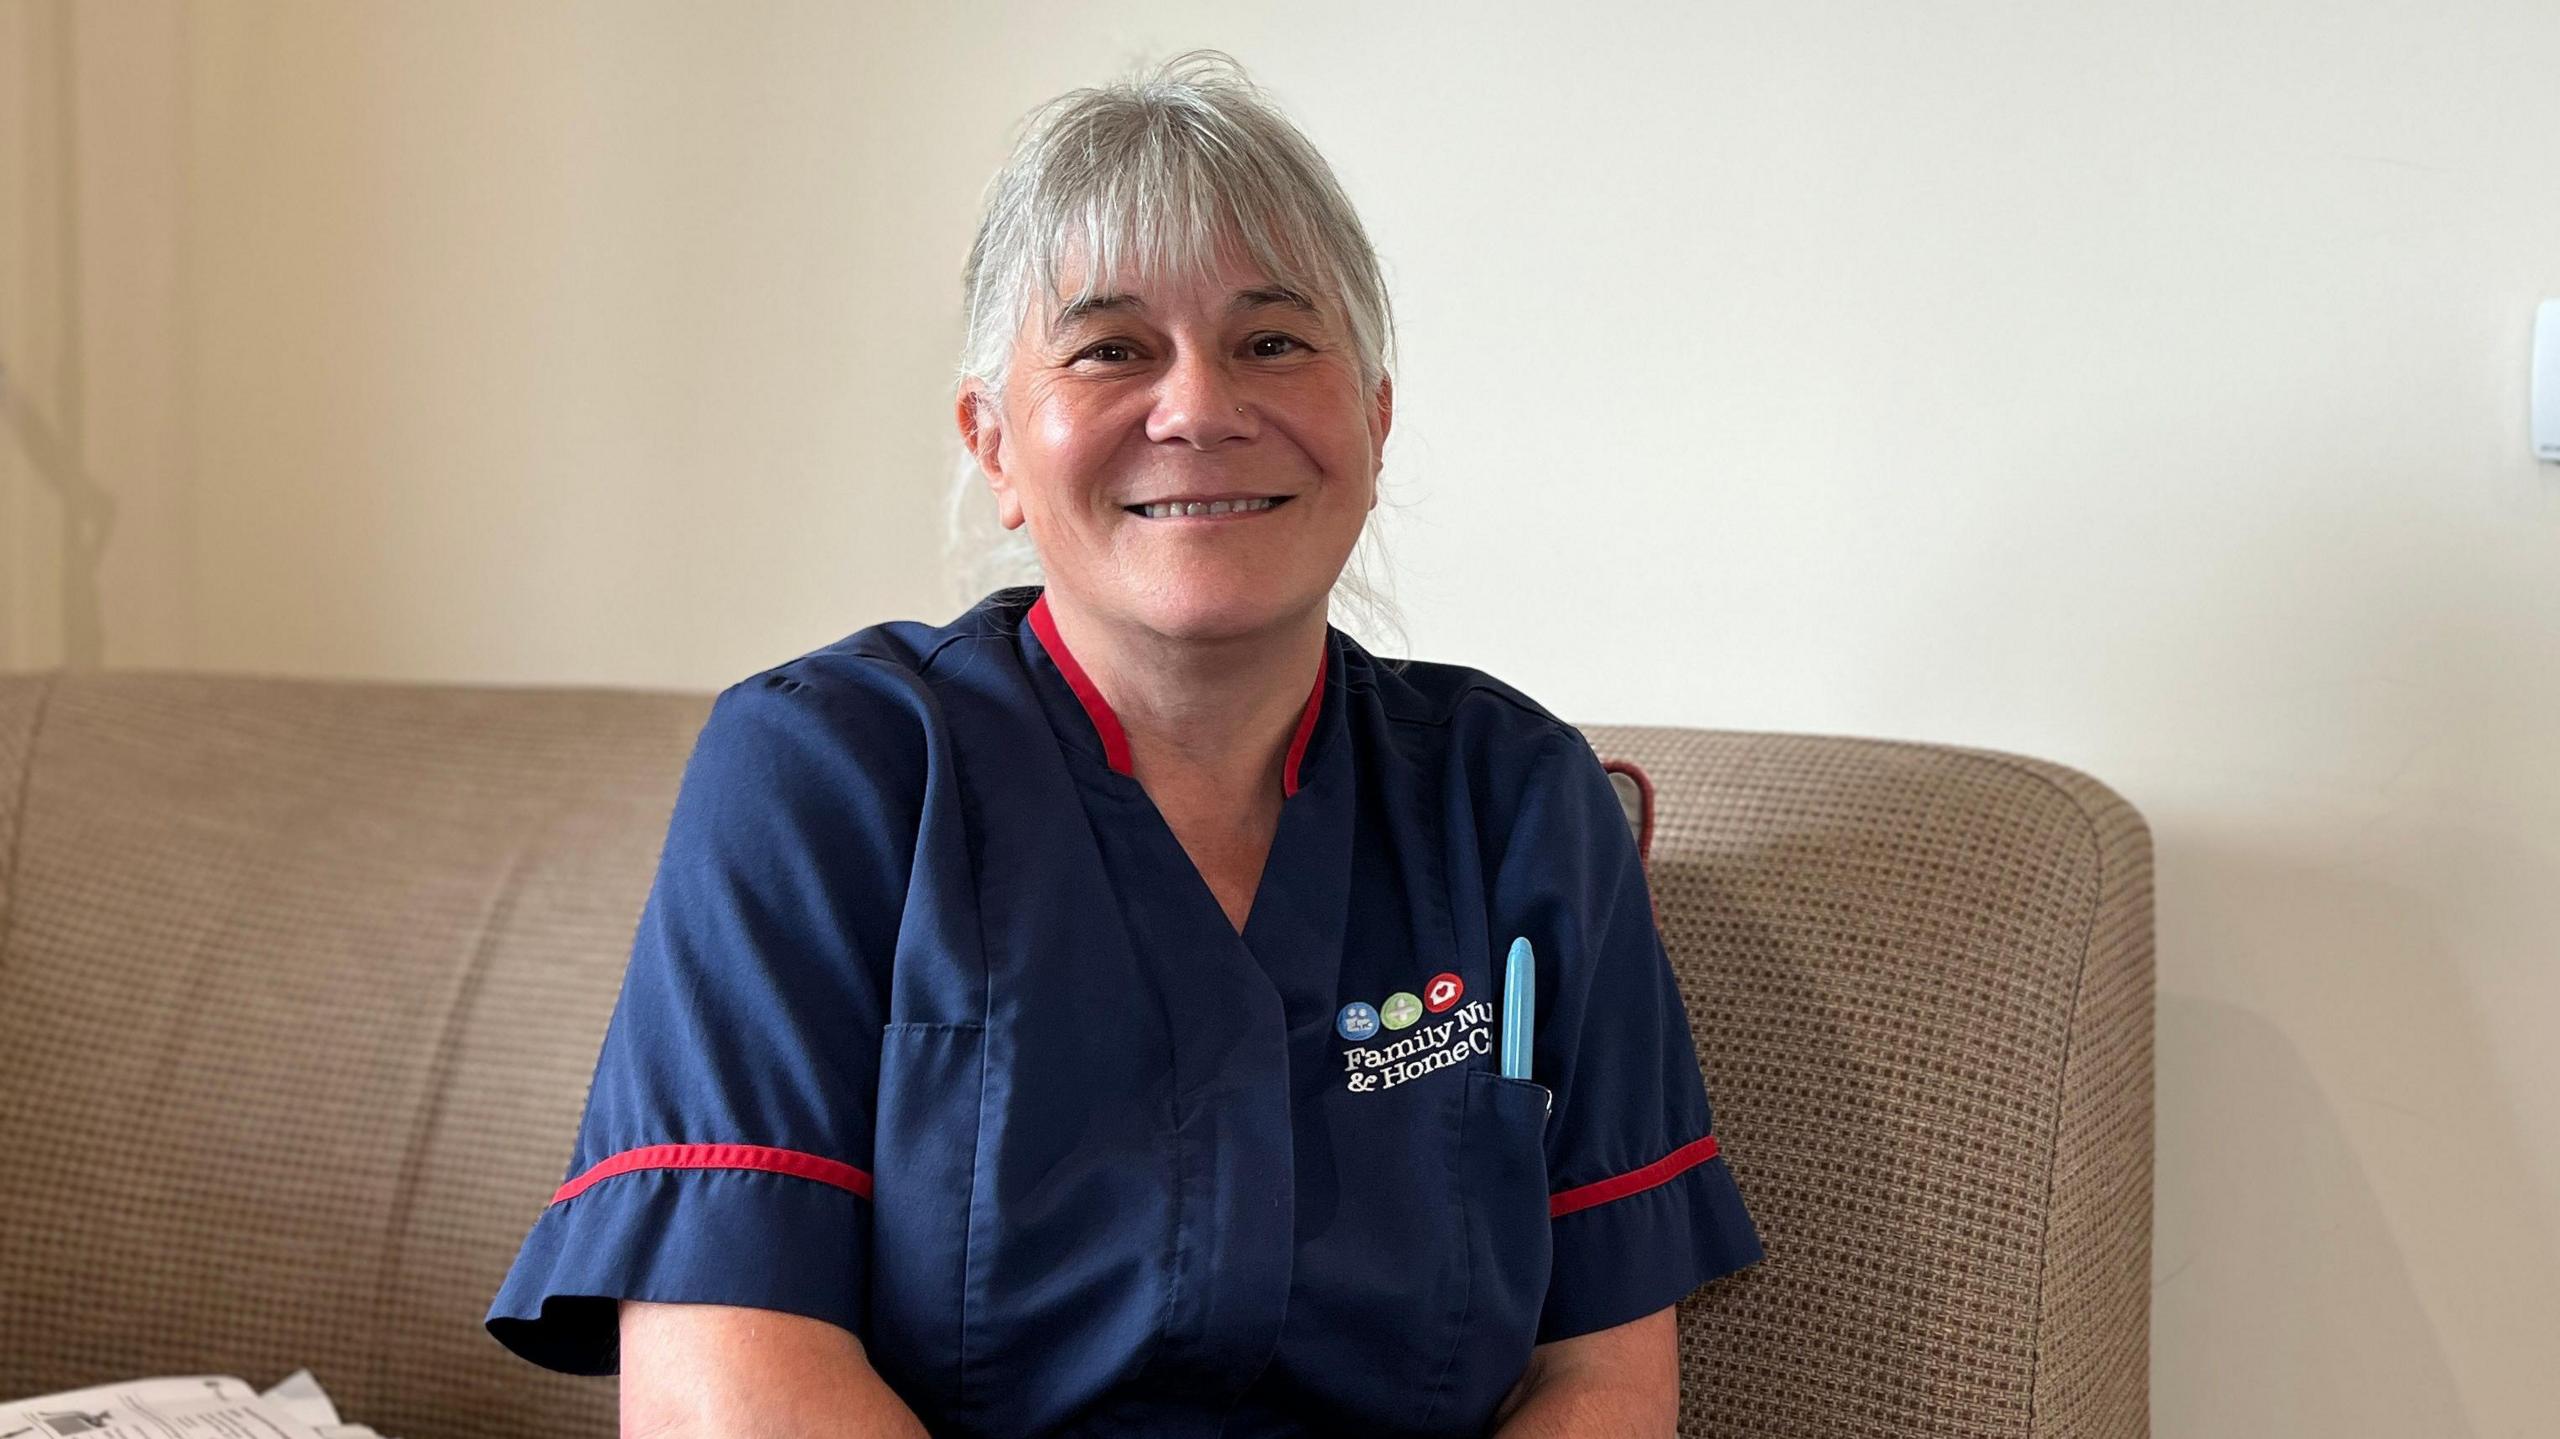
(932, 1030)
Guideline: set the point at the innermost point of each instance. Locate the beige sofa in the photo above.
(301, 984)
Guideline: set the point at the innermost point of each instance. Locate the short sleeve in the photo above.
(724, 1153)
(1643, 1203)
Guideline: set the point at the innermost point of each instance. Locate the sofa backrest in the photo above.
(1921, 981)
(301, 985)
(302, 982)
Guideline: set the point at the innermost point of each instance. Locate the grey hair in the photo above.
(1146, 178)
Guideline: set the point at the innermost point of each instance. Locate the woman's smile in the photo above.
(1204, 511)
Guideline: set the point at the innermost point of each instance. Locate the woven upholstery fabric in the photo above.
(301, 990)
(302, 982)
(1920, 980)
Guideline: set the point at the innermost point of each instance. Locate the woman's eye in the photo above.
(1288, 342)
(1098, 351)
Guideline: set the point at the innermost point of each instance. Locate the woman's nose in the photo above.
(1199, 400)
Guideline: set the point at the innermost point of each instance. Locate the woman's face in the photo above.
(1222, 386)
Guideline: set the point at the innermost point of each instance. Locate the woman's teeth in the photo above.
(1205, 507)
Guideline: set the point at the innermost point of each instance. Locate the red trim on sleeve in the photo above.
(721, 1156)
(1634, 1181)
(1106, 722)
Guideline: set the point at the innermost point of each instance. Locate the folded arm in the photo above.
(716, 1369)
(1620, 1381)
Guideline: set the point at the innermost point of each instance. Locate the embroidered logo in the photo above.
(1356, 1022)
(1400, 1011)
(1442, 992)
(1432, 1047)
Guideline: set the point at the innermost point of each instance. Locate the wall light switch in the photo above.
(2546, 381)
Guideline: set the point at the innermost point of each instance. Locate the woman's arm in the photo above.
(706, 1369)
(1621, 1381)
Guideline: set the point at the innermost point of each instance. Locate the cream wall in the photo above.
(2142, 388)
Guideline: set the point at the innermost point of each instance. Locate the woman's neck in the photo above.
(1214, 715)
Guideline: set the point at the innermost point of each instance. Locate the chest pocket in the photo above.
(1502, 1168)
(923, 1176)
(1422, 1252)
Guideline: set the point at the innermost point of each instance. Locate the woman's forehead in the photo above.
(1238, 289)
(1157, 284)
(1220, 264)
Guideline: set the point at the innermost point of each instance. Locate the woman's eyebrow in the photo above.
(1258, 297)
(1078, 311)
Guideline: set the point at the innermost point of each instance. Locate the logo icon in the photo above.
(1443, 991)
(1357, 1021)
(1400, 1010)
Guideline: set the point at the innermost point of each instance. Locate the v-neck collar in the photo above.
(1104, 724)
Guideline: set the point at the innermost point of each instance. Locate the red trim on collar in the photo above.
(1306, 726)
(1115, 740)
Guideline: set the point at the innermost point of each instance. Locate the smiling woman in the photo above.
(1080, 1015)
(1190, 394)
(1107, 203)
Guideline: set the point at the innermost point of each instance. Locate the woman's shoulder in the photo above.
(1476, 709)
(860, 709)
(877, 674)
(1530, 776)
(1510, 751)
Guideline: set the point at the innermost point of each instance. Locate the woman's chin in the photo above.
(1222, 611)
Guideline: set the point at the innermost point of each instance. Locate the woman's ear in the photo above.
(980, 426)
(1386, 419)
(981, 422)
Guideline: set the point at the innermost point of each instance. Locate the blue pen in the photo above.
(1519, 1007)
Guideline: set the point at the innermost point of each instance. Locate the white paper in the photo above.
(194, 1406)
(300, 1395)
